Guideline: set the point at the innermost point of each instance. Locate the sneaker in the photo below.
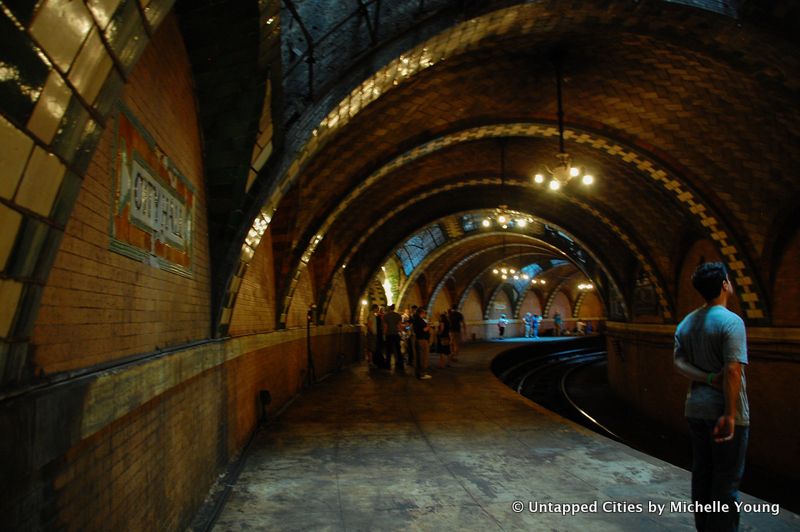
(425, 377)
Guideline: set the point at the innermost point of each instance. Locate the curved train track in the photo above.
(543, 376)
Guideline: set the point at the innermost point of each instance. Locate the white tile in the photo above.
(50, 108)
(89, 71)
(103, 10)
(40, 183)
(15, 147)
(60, 27)
(9, 221)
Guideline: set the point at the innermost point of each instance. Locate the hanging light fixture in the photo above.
(504, 271)
(503, 217)
(563, 172)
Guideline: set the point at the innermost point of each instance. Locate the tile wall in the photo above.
(63, 64)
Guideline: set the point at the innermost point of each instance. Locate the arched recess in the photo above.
(548, 309)
(440, 304)
(500, 302)
(530, 302)
(471, 305)
(589, 306)
(560, 302)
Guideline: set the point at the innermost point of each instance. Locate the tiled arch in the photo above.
(466, 36)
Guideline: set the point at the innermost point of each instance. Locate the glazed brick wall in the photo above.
(688, 298)
(255, 306)
(591, 307)
(641, 372)
(149, 470)
(339, 310)
(152, 468)
(442, 304)
(531, 304)
(97, 305)
(303, 298)
(786, 289)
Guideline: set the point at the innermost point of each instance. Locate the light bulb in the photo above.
(554, 185)
(501, 219)
(512, 270)
(486, 223)
(522, 223)
(588, 179)
(516, 277)
(574, 172)
(504, 276)
(538, 178)
(495, 271)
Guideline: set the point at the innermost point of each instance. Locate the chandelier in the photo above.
(563, 172)
(503, 217)
(507, 272)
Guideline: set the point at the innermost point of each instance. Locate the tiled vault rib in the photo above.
(458, 40)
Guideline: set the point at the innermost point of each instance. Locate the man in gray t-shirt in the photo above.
(711, 351)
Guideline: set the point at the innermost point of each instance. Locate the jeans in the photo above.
(717, 470)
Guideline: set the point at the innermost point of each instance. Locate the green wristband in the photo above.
(710, 378)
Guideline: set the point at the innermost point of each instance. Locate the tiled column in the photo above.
(62, 67)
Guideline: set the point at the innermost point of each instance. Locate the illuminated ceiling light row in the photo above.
(585, 286)
(506, 272)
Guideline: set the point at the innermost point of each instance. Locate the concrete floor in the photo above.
(373, 450)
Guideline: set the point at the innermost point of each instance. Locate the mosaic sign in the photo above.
(153, 216)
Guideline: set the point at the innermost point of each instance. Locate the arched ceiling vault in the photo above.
(651, 95)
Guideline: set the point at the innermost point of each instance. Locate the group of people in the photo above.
(409, 337)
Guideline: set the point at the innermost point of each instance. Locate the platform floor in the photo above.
(373, 450)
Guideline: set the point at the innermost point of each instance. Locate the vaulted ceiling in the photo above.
(686, 114)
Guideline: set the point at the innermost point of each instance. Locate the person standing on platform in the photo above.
(372, 337)
(457, 325)
(557, 321)
(711, 351)
(501, 325)
(443, 340)
(378, 357)
(536, 321)
(391, 331)
(412, 340)
(422, 332)
(527, 319)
